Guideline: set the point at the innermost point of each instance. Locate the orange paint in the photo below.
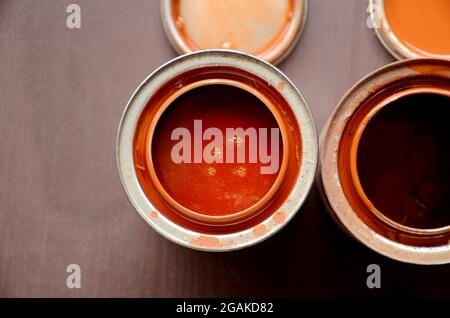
(213, 188)
(229, 244)
(421, 26)
(255, 27)
(403, 161)
(279, 217)
(206, 241)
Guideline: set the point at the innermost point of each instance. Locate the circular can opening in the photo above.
(403, 161)
(393, 160)
(179, 132)
(268, 29)
(216, 150)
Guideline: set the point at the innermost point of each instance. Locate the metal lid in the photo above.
(268, 29)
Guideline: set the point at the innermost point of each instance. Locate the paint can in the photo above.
(216, 205)
(384, 155)
(268, 29)
(410, 29)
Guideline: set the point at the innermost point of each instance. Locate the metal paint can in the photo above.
(268, 29)
(394, 42)
(161, 206)
(383, 161)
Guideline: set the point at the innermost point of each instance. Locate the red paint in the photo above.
(216, 188)
(193, 179)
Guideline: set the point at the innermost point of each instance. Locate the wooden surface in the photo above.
(62, 93)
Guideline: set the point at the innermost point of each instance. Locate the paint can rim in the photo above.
(138, 101)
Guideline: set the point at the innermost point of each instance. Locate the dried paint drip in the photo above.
(199, 180)
(403, 161)
(206, 241)
(211, 242)
(279, 217)
(259, 230)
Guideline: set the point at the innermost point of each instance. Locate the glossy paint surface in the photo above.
(217, 188)
(251, 26)
(422, 26)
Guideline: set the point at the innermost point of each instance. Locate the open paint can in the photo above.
(217, 150)
(384, 161)
(268, 29)
(411, 29)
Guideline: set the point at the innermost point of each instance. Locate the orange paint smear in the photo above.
(279, 217)
(422, 26)
(259, 230)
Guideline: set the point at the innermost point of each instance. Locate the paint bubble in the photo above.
(211, 171)
(241, 172)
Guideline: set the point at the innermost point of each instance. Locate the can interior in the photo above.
(393, 160)
(265, 28)
(226, 186)
(421, 27)
(209, 198)
(403, 161)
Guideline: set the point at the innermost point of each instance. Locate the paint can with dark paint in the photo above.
(268, 29)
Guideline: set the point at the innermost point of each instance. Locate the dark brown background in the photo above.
(62, 93)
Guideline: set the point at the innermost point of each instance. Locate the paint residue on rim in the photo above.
(259, 230)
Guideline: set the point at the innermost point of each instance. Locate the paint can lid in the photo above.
(268, 29)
